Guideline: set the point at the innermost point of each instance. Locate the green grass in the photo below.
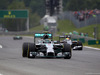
(95, 46)
(89, 30)
(37, 28)
(67, 26)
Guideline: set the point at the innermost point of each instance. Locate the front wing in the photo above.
(42, 55)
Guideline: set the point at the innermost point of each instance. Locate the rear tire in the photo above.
(24, 49)
(80, 44)
(31, 48)
(14, 38)
(67, 48)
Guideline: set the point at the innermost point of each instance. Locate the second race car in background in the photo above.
(17, 38)
(76, 45)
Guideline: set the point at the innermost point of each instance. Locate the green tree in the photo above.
(82, 4)
(75, 5)
(65, 4)
(96, 4)
(27, 2)
(4, 4)
(34, 20)
(38, 6)
(17, 5)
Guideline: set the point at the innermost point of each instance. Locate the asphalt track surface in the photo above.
(86, 62)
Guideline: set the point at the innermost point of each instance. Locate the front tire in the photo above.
(67, 48)
(80, 44)
(31, 48)
(24, 49)
(14, 38)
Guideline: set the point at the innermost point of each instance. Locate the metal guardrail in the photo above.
(19, 33)
(79, 37)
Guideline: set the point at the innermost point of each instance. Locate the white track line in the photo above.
(1, 74)
(0, 46)
(92, 73)
(98, 49)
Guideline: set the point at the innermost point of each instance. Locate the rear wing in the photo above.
(41, 35)
(66, 36)
(62, 37)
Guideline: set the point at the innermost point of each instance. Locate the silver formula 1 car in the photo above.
(76, 45)
(44, 46)
(17, 38)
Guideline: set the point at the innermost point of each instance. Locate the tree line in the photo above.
(77, 5)
(37, 11)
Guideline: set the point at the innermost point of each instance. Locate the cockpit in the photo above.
(46, 41)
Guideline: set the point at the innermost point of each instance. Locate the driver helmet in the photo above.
(67, 38)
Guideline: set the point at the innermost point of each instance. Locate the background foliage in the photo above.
(37, 11)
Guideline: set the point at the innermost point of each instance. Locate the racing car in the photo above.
(76, 45)
(17, 38)
(44, 46)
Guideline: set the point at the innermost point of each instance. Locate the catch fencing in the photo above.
(70, 16)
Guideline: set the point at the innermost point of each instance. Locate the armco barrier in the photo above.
(19, 33)
(93, 42)
(80, 39)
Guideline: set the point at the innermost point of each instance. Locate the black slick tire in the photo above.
(80, 44)
(67, 48)
(24, 49)
(31, 48)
